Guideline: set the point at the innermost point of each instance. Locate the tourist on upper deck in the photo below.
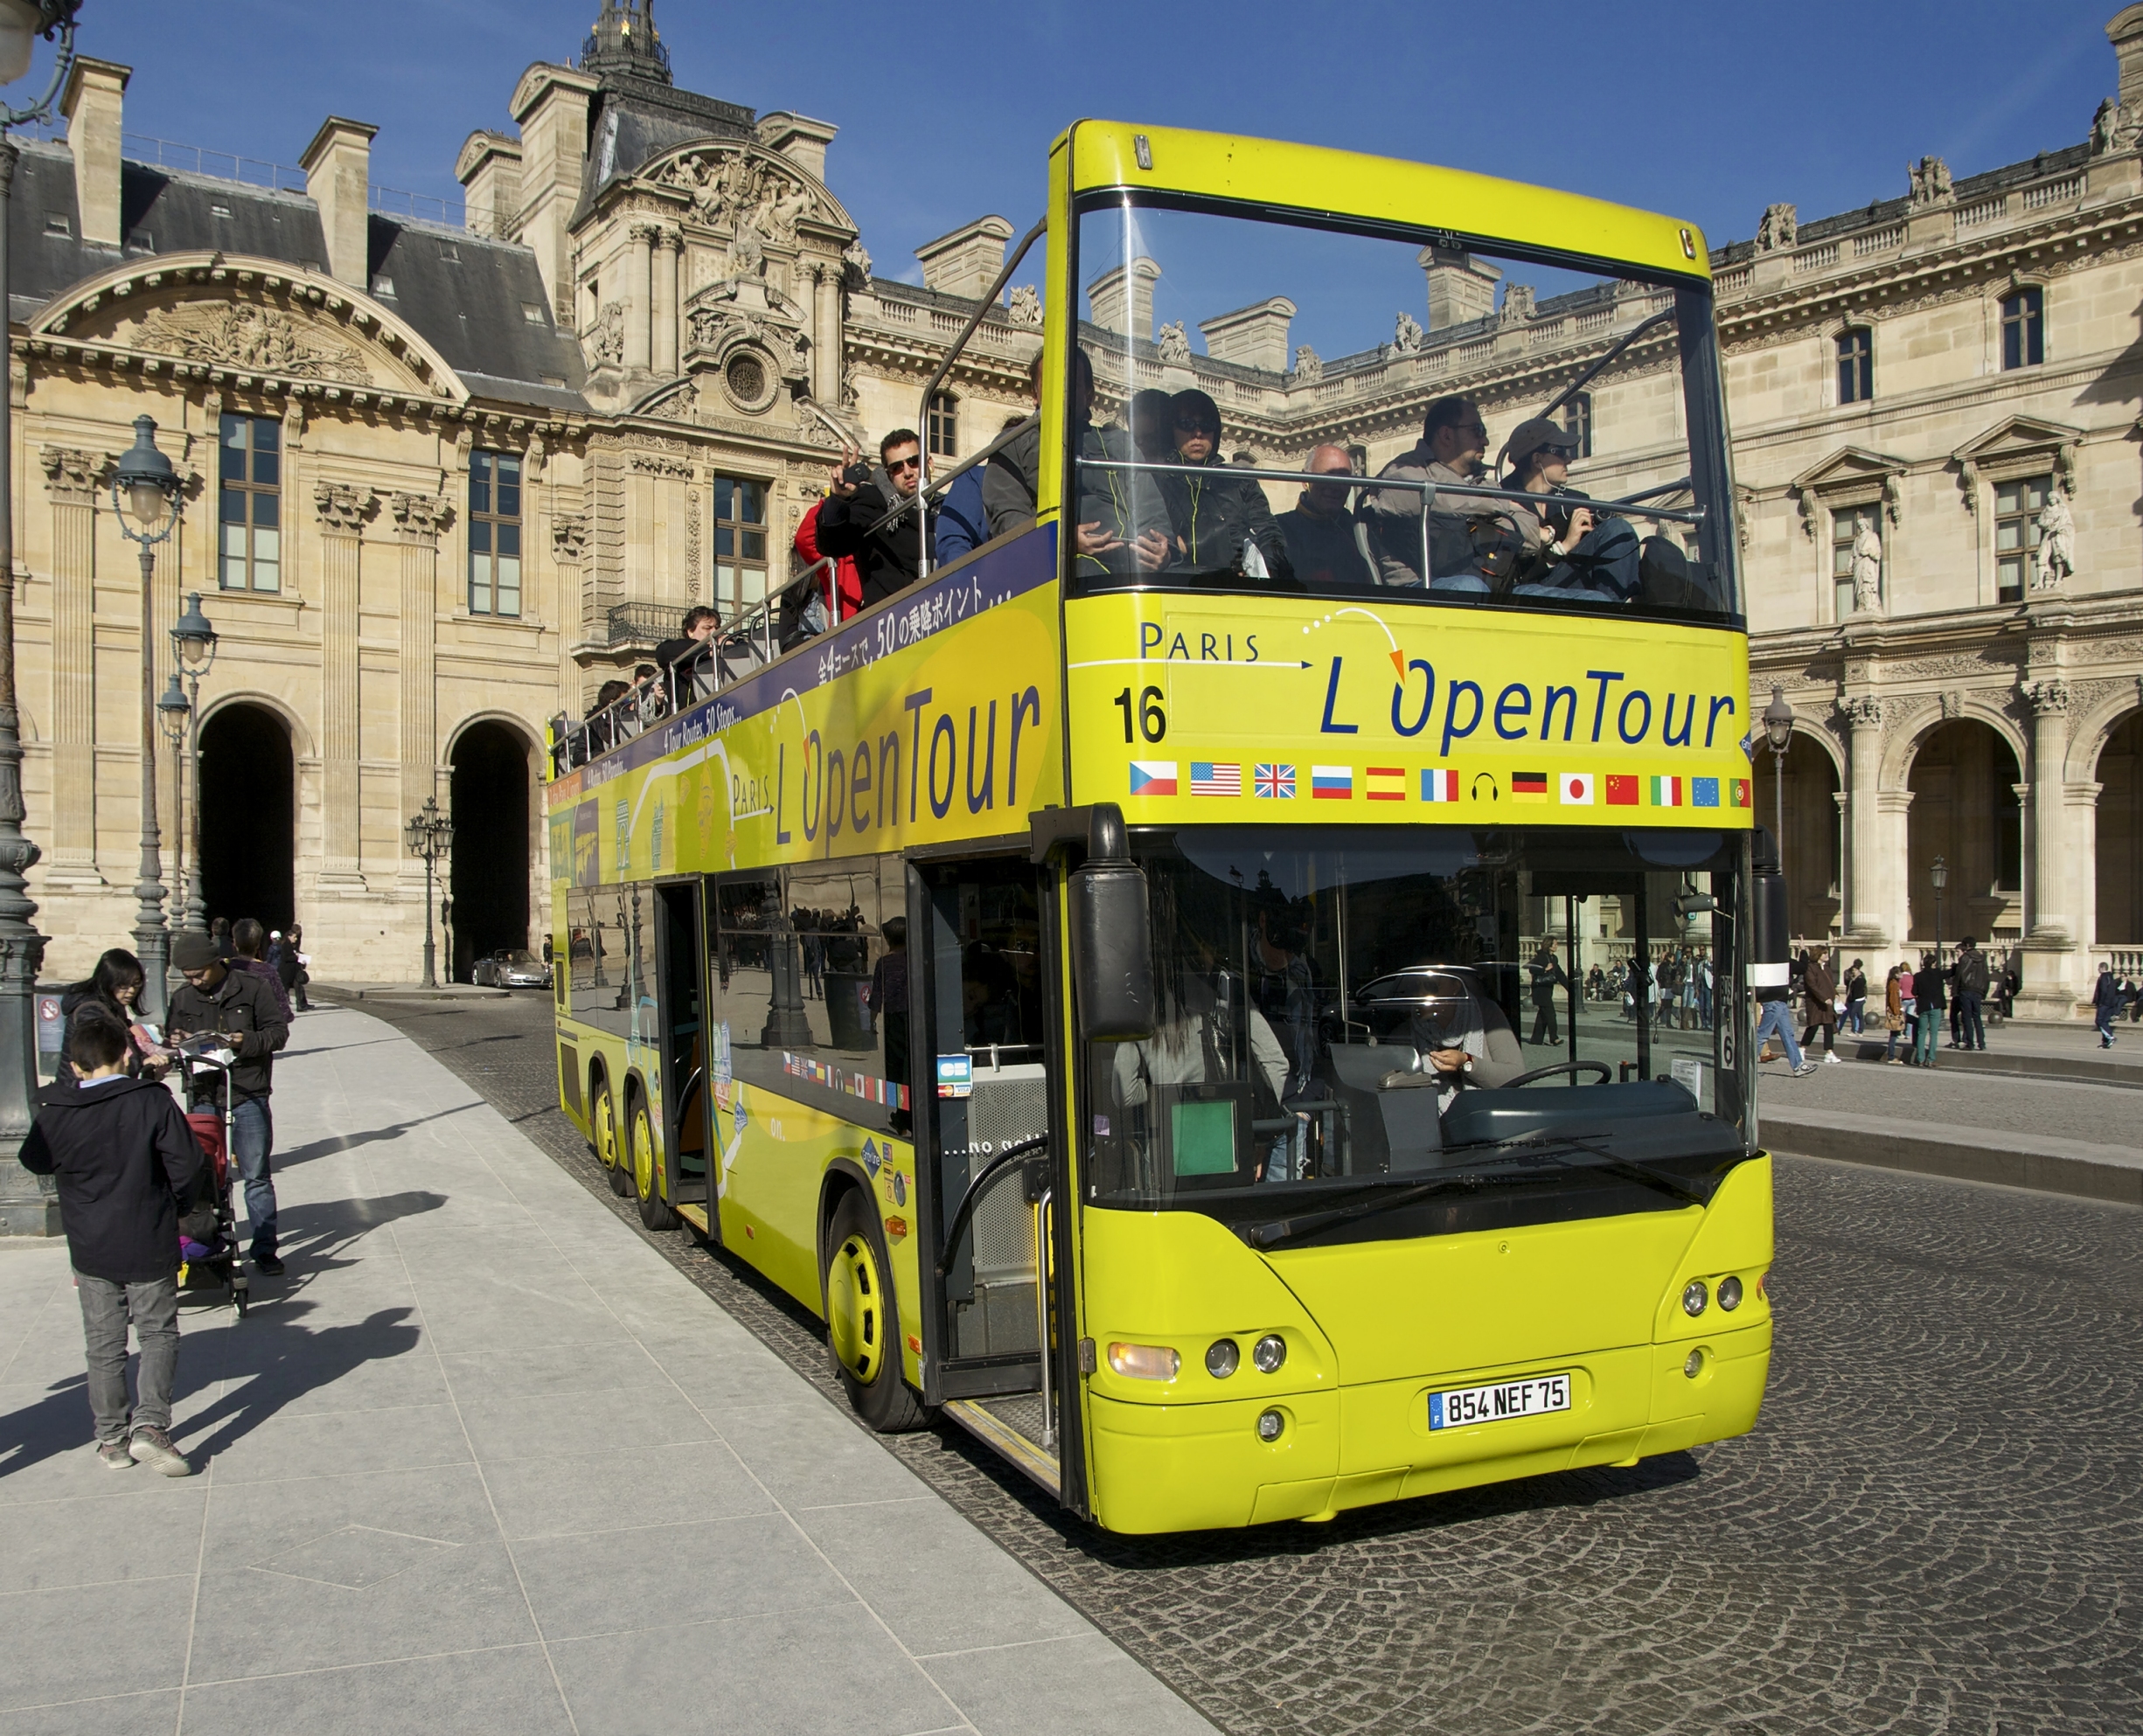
(1473, 544)
(1220, 523)
(963, 518)
(1153, 426)
(1120, 516)
(1567, 553)
(889, 555)
(1326, 544)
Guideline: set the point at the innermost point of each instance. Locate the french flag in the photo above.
(1439, 785)
(1332, 783)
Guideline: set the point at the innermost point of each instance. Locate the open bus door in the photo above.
(995, 1284)
(680, 1189)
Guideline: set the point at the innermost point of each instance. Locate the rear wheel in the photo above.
(863, 1326)
(655, 1211)
(602, 1120)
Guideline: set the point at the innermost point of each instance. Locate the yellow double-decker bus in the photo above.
(1237, 991)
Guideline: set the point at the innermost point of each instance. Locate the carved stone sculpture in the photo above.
(1406, 338)
(1930, 180)
(261, 339)
(604, 340)
(73, 474)
(2056, 558)
(420, 518)
(1307, 366)
(568, 535)
(341, 509)
(2110, 128)
(856, 265)
(1776, 232)
(1517, 304)
(1867, 567)
(1175, 345)
(1023, 306)
(1863, 711)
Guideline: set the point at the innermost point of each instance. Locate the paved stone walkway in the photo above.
(484, 1461)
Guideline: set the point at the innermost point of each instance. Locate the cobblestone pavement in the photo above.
(2103, 1115)
(1937, 1527)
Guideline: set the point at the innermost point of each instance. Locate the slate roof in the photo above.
(467, 295)
(634, 121)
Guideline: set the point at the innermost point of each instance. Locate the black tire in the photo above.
(863, 1319)
(608, 1139)
(655, 1211)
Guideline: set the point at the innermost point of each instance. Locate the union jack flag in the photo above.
(1275, 782)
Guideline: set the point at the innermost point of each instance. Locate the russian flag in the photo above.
(1667, 792)
(1153, 777)
(1332, 783)
(1439, 786)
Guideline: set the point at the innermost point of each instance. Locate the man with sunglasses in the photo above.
(1473, 547)
(889, 554)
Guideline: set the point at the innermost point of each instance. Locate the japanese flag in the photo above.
(1575, 788)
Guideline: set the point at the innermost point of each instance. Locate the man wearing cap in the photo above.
(1567, 553)
(1326, 543)
(239, 1007)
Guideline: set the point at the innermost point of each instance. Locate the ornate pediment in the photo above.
(1852, 475)
(754, 195)
(237, 319)
(2016, 447)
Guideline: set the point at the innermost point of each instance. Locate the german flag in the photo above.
(1528, 786)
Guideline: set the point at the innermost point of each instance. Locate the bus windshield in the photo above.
(1544, 432)
(1348, 1007)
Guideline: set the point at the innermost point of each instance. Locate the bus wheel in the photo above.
(655, 1211)
(603, 1116)
(863, 1326)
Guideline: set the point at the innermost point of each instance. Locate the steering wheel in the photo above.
(1605, 1072)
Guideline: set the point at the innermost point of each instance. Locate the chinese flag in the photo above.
(1621, 791)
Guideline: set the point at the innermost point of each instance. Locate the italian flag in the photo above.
(1667, 793)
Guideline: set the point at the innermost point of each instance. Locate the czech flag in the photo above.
(1332, 783)
(1439, 786)
(1575, 789)
(1387, 783)
(1528, 786)
(1621, 791)
(1703, 792)
(1153, 777)
(1667, 792)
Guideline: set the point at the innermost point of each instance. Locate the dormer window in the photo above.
(58, 223)
(384, 287)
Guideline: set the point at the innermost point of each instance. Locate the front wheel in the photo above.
(863, 1326)
(655, 1211)
(602, 1120)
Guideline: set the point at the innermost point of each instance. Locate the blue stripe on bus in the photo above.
(915, 614)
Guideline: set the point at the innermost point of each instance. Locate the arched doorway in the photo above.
(2120, 844)
(1965, 809)
(1814, 842)
(487, 879)
(248, 816)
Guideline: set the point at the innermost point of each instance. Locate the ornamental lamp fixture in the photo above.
(193, 639)
(146, 478)
(1778, 721)
(21, 23)
(1938, 872)
(172, 711)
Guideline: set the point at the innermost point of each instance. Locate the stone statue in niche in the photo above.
(1175, 345)
(856, 265)
(2056, 558)
(1866, 565)
(1407, 337)
(605, 337)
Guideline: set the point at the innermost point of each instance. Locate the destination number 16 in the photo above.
(1153, 720)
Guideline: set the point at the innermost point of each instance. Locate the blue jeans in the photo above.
(1923, 1037)
(1856, 1013)
(106, 1310)
(252, 1135)
(1778, 1021)
(1971, 1028)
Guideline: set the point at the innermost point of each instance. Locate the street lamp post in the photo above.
(25, 1207)
(430, 836)
(145, 490)
(172, 713)
(1938, 872)
(193, 648)
(1778, 731)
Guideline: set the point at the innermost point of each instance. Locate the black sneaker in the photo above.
(267, 1264)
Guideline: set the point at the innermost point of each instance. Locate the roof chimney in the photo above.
(2126, 33)
(93, 104)
(337, 165)
(1461, 287)
(966, 262)
(1123, 299)
(1256, 336)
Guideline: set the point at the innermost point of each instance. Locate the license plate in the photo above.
(1499, 1403)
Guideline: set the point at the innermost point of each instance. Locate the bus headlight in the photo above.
(1145, 1362)
(1223, 1359)
(1694, 1296)
(1268, 1352)
(1270, 1425)
(1730, 1294)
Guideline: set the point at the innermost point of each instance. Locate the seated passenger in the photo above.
(695, 671)
(1120, 516)
(1472, 545)
(1154, 416)
(1326, 544)
(963, 519)
(890, 556)
(1221, 524)
(1566, 553)
(600, 731)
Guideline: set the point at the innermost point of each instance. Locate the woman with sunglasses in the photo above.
(1220, 520)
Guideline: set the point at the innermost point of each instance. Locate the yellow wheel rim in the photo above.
(606, 1131)
(855, 1309)
(643, 1153)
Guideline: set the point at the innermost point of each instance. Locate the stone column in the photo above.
(342, 513)
(72, 478)
(1864, 889)
(419, 518)
(826, 335)
(2080, 803)
(639, 238)
(1890, 906)
(669, 248)
(2049, 925)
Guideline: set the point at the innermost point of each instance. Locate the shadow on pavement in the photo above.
(275, 1358)
(335, 1143)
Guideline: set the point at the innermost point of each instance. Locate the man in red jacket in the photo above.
(127, 1165)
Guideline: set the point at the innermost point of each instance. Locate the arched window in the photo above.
(944, 429)
(1856, 364)
(2023, 328)
(1577, 418)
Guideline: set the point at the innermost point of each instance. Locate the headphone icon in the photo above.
(1494, 794)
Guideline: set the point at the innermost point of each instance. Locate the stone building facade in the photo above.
(664, 327)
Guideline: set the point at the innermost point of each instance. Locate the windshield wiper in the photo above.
(1286, 1229)
(1627, 1167)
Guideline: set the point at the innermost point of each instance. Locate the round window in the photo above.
(745, 377)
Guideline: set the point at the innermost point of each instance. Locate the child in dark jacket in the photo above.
(127, 1165)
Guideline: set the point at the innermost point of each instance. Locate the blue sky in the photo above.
(1707, 111)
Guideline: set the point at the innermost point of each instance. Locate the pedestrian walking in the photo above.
(1703, 991)
(1548, 981)
(294, 947)
(1821, 989)
(1893, 1014)
(1776, 1019)
(125, 1165)
(1856, 997)
(236, 1007)
(2105, 1000)
(248, 943)
(1927, 989)
(1969, 993)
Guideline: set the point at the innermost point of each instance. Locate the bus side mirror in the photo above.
(1111, 941)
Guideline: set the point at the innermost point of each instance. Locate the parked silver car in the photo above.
(510, 967)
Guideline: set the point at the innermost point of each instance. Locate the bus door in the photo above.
(683, 1041)
(987, 1003)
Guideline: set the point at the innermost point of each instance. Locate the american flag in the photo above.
(1216, 777)
(1276, 782)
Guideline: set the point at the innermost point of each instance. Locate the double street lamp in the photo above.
(193, 648)
(145, 490)
(25, 1209)
(429, 835)
(1938, 872)
(1778, 721)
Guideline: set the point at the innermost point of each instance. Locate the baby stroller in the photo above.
(208, 1233)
